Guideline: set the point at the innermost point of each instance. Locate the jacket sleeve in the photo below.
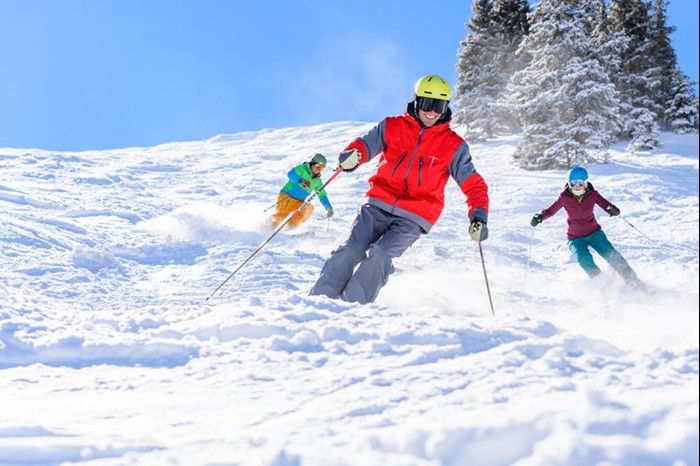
(322, 195)
(293, 188)
(470, 182)
(294, 176)
(371, 144)
(554, 208)
(602, 202)
(324, 200)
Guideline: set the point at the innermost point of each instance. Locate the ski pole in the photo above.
(277, 230)
(273, 205)
(486, 279)
(652, 239)
(638, 230)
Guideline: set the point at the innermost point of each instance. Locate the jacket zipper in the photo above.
(408, 168)
(420, 170)
(396, 167)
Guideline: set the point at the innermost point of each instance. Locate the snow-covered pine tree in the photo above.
(479, 80)
(564, 97)
(486, 61)
(512, 19)
(674, 96)
(682, 110)
(635, 80)
(662, 60)
(605, 42)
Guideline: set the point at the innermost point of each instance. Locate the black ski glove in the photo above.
(613, 210)
(537, 219)
(306, 184)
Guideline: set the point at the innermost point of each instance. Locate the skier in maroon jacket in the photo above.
(578, 198)
(419, 154)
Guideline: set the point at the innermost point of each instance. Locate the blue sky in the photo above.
(100, 74)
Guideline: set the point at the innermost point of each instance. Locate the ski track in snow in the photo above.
(109, 354)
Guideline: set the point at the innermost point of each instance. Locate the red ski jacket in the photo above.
(415, 164)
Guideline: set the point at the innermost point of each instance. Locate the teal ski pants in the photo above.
(580, 248)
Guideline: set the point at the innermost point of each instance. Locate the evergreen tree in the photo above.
(592, 16)
(564, 97)
(511, 18)
(682, 110)
(485, 65)
(477, 77)
(605, 42)
(479, 80)
(662, 60)
(636, 80)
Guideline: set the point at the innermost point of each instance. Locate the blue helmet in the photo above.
(578, 173)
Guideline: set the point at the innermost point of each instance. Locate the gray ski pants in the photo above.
(386, 236)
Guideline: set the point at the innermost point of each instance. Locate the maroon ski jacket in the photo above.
(579, 213)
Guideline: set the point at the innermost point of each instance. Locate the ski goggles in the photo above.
(318, 166)
(577, 183)
(428, 104)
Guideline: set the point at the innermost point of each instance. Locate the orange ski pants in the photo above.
(285, 205)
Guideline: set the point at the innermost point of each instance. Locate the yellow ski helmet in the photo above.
(432, 86)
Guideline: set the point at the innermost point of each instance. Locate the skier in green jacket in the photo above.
(304, 179)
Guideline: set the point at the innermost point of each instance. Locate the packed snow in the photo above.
(110, 354)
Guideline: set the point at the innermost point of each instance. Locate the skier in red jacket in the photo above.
(578, 199)
(419, 153)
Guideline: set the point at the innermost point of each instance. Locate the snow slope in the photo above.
(109, 354)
